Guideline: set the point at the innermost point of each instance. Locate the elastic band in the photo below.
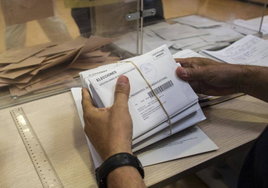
(149, 85)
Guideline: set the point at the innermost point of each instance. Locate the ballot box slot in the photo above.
(43, 166)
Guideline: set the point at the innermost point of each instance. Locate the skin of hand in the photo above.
(109, 129)
(210, 77)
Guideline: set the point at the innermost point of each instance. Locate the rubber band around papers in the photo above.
(149, 85)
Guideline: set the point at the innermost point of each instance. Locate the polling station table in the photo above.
(232, 125)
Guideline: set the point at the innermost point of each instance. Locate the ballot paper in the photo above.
(197, 21)
(177, 31)
(189, 142)
(249, 50)
(186, 54)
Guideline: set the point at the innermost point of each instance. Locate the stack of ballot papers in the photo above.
(249, 50)
(49, 66)
(150, 124)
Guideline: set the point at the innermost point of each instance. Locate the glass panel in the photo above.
(44, 45)
(201, 24)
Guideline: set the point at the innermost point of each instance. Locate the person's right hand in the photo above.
(210, 77)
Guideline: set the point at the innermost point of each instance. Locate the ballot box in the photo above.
(44, 44)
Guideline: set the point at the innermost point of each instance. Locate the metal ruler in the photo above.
(44, 168)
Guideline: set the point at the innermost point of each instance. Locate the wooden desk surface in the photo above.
(231, 125)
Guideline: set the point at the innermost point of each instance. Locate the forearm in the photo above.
(254, 82)
(126, 176)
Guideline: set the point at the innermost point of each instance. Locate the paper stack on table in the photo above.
(30, 69)
(149, 119)
(187, 111)
(249, 50)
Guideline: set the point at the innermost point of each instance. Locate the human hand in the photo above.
(210, 77)
(109, 129)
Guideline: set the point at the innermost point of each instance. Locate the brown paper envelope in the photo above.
(96, 53)
(32, 61)
(22, 11)
(43, 75)
(65, 47)
(16, 56)
(3, 85)
(56, 79)
(12, 74)
(113, 58)
(49, 58)
(20, 80)
(14, 91)
(95, 42)
(69, 57)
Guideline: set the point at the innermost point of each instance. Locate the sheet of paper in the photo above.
(249, 50)
(186, 42)
(177, 31)
(197, 21)
(22, 11)
(189, 142)
(219, 34)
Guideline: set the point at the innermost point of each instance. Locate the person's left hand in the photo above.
(109, 129)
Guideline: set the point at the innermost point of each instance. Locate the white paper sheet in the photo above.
(189, 142)
(249, 50)
(177, 31)
(219, 34)
(197, 21)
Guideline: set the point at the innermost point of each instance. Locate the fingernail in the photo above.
(122, 80)
(183, 72)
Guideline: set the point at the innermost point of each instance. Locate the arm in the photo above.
(110, 131)
(213, 78)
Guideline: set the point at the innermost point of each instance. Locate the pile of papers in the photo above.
(249, 50)
(36, 68)
(150, 123)
(189, 32)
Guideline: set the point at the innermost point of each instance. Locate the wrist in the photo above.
(247, 78)
(116, 151)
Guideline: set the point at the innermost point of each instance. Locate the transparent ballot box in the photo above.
(45, 44)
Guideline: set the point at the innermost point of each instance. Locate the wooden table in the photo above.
(232, 125)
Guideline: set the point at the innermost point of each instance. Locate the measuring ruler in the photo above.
(44, 168)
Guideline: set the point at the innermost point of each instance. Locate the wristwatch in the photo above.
(116, 161)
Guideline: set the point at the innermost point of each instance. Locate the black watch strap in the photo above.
(113, 162)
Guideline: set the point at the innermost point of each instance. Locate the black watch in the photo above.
(113, 162)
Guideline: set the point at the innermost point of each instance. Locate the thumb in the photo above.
(191, 74)
(122, 91)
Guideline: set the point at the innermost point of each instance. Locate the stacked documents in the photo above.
(149, 75)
